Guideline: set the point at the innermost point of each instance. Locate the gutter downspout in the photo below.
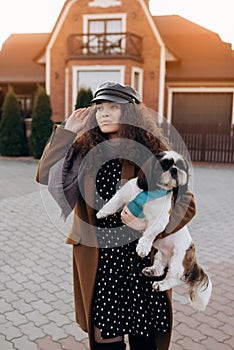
(66, 95)
(51, 43)
(232, 121)
(162, 75)
(47, 73)
(162, 69)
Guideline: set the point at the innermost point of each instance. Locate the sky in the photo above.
(39, 16)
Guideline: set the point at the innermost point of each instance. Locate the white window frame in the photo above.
(140, 72)
(98, 68)
(87, 18)
(173, 90)
(104, 16)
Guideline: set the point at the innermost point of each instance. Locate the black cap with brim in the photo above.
(115, 92)
(110, 97)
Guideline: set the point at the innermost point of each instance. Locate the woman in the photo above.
(97, 148)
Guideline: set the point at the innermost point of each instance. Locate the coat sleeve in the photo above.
(60, 141)
(182, 212)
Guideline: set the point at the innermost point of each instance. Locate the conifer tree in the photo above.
(12, 136)
(42, 123)
(84, 98)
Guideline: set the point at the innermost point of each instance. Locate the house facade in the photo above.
(94, 41)
(183, 71)
(200, 79)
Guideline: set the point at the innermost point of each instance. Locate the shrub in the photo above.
(42, 123)
(12, 135)
(84, 98)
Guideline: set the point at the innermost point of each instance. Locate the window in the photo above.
(25, 102)
(136, 82)
(91, 77)
(105, 38)
(137, 79)
(104, 33)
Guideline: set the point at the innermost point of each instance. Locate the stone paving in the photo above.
(36, 296)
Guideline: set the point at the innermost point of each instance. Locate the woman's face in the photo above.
(108, 117)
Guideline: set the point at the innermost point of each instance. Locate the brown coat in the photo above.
(82, 236)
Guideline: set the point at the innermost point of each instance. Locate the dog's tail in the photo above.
(199, 283)
(200, 294)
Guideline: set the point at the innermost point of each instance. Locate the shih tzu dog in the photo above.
(150, 195)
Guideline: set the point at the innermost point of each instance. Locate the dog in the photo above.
(163, 178)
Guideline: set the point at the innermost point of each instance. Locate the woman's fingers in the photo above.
(82, 112)
(132, 221)
(126, 215)
(77, 119)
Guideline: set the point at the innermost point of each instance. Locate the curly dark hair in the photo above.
(137, 123)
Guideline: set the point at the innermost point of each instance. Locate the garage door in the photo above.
(202, 108)
(203, 121)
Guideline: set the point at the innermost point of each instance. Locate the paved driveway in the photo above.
(36, 298)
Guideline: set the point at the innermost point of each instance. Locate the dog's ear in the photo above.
(161, 155)
(180, 190)
(146, 179)
(142, 180)
(186, 165)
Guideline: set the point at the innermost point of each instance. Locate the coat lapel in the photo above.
(128, 171)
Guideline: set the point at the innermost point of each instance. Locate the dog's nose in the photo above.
(173, 172)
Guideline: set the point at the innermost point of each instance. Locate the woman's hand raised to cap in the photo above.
(77, 120)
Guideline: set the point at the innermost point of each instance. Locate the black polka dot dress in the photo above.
(124, 301)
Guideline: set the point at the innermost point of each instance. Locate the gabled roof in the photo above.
(200, 53)
(17, 58)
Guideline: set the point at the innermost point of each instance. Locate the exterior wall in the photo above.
(137, 23)
(151, 54)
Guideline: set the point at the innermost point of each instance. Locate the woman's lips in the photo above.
(104, 122)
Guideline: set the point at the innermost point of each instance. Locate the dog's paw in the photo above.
(157, 286)
(149, 271)
(153, 271)
(160, 286)
(143, 247)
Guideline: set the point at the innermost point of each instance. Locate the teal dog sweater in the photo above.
(136, 205)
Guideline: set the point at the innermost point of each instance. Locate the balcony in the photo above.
(111, 45)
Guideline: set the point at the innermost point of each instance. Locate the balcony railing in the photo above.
(124, 45)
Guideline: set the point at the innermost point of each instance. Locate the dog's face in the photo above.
(168, 170)
(174, 170)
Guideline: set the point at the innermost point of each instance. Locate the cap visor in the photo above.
(110, 98)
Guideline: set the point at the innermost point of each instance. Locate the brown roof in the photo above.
(17, 62)
(200, 52)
